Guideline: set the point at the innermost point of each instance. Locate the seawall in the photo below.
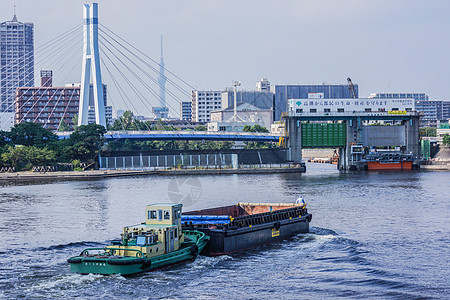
(100, 174)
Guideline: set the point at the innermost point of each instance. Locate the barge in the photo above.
(244, 226)
(158, 242)
(390, 161)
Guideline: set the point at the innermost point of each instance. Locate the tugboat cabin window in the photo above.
(160, 215)
(152, 214)
(166, 215)
(140, 240)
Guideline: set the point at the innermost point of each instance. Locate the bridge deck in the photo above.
(187, 135)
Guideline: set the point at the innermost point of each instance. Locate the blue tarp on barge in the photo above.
(205, 219)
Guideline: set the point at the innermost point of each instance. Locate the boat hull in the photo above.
(235, 240)
(399, 165)
(108, 265)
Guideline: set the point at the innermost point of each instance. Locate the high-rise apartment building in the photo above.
(16, 60)
(186, 111)
(203, 103)
(48, 105)
(432, 111)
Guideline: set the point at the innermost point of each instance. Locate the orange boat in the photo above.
(397, 165)
(389, 161)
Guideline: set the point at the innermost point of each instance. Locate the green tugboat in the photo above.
(156, 243)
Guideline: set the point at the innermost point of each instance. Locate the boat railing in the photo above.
(85, 252)
(193, 234)
(273, 216)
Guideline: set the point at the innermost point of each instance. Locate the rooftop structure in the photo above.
(262, 100)
(324, 91)
(415, 96)
(247, 113)
(263, 85)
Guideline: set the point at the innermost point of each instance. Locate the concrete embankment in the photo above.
(317, 153)
(436, 167)
(100, 174)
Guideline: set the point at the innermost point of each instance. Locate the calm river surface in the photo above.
(373, 235)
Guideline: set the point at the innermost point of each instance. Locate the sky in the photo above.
(384, 46)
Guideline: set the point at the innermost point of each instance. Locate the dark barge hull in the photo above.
(227, 240)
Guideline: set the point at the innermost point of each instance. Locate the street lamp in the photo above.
(235, 84)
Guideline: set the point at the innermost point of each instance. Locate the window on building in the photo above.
(327, 110)
(340, 110)
(166, 215)
(395, 108)
(313, 110)
(368, 110)
(152, 214)
(299, 110)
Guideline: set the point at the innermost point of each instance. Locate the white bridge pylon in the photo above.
(91, 66)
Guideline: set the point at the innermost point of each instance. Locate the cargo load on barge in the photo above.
(244, 226)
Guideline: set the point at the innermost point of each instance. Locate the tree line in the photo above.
(28, 145)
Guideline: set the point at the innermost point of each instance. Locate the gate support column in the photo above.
(294, 142)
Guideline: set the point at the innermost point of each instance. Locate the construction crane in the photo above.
(351, 88)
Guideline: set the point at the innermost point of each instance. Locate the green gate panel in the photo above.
(426, 149)
(316, 135)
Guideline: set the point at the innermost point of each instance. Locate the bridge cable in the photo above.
(143, 71)
(119, 37)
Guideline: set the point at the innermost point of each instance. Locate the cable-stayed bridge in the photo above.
(135, 82)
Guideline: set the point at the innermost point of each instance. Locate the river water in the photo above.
(373, 235)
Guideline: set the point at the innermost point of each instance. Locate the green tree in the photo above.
(5, 138)
(85, 142)
(256, 128)
(63, 126)
(25, 157)
(75, 121)
(200, 128)
(446, 139)
(259, 128)
(427, 131)
(248, 128)
(32, 134)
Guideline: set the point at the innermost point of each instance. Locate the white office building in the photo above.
(203, 103)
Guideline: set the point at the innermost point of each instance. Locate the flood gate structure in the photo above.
(353, 131)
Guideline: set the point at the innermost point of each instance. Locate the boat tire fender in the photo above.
(277, 225)
(309, 217)
(194, 250)
(146, 264)
(74, 260)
